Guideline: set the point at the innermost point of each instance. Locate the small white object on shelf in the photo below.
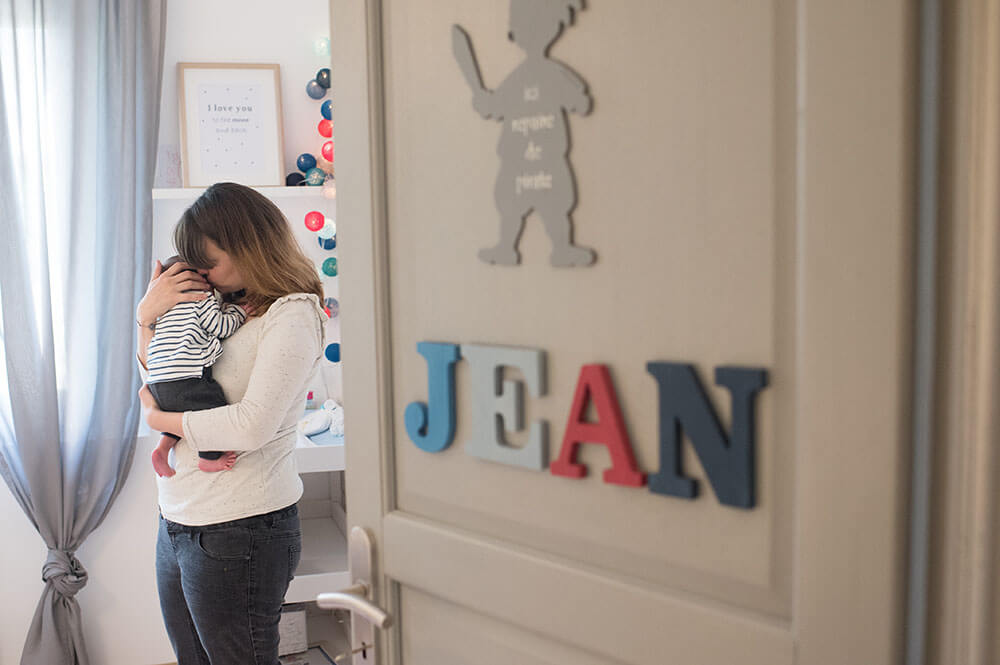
(314, 422)
(336, 417)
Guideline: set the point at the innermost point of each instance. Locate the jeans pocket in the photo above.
(227, 544)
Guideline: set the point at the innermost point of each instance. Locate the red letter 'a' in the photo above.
(609, 430)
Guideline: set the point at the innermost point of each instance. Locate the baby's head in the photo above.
(171, 261)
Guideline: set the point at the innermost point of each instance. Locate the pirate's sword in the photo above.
(462, 48)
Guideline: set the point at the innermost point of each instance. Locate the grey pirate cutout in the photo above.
(532, 102)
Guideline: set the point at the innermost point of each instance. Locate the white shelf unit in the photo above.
(323, 566)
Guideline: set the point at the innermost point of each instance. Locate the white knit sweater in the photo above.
(265, 371)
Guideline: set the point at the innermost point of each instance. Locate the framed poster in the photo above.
(230, 121)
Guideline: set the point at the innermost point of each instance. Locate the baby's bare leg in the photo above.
(161, 456)
(223, 463)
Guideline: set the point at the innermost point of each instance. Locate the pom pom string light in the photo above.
(315, 177)
(318, 169)
(315, 220)
(328, 230)
(323, 77)
(315, 90)
(305, 162)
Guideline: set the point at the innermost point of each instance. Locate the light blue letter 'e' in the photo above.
(434, 431)
(499, 404)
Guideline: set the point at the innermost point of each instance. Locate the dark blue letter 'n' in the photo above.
(684, 406)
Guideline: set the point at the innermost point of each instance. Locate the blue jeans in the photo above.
(222, 586)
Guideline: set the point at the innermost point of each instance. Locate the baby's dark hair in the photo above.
(171, 261)
(235, 296)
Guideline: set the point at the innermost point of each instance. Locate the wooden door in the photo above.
(744, 179)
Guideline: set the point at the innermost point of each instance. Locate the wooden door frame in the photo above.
(356, 50)
(964, 598)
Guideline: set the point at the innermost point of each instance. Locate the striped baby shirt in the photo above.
(186, 338)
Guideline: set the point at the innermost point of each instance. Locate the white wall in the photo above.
(257, 31)
(120, 608)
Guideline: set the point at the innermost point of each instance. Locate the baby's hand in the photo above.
(249, 309)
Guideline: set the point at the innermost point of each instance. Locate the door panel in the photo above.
(680, 193)
(744, 179)
(569, 603)
(442, 633)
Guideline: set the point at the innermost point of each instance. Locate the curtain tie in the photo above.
(64, 572)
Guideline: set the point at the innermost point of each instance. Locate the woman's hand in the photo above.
(167, 288)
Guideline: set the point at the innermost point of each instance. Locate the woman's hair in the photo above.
(252, 231)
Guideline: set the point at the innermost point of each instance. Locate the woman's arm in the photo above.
(290, 346)
(145, 337)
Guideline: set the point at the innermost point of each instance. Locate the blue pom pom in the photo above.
(315, 90)
(315, 177)
(305, 162)
(333, 352)
(328, 243)
(327, 109)
(323, 77)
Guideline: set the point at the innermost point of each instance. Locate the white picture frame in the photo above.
(230, 123)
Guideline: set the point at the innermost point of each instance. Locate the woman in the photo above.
(229, 542)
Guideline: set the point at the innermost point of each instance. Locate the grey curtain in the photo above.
(79, 118)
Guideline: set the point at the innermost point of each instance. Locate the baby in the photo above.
(179, 360)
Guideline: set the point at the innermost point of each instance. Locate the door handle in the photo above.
(357, 599)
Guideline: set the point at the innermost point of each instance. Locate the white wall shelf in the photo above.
(182, 193)
(323, 566)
